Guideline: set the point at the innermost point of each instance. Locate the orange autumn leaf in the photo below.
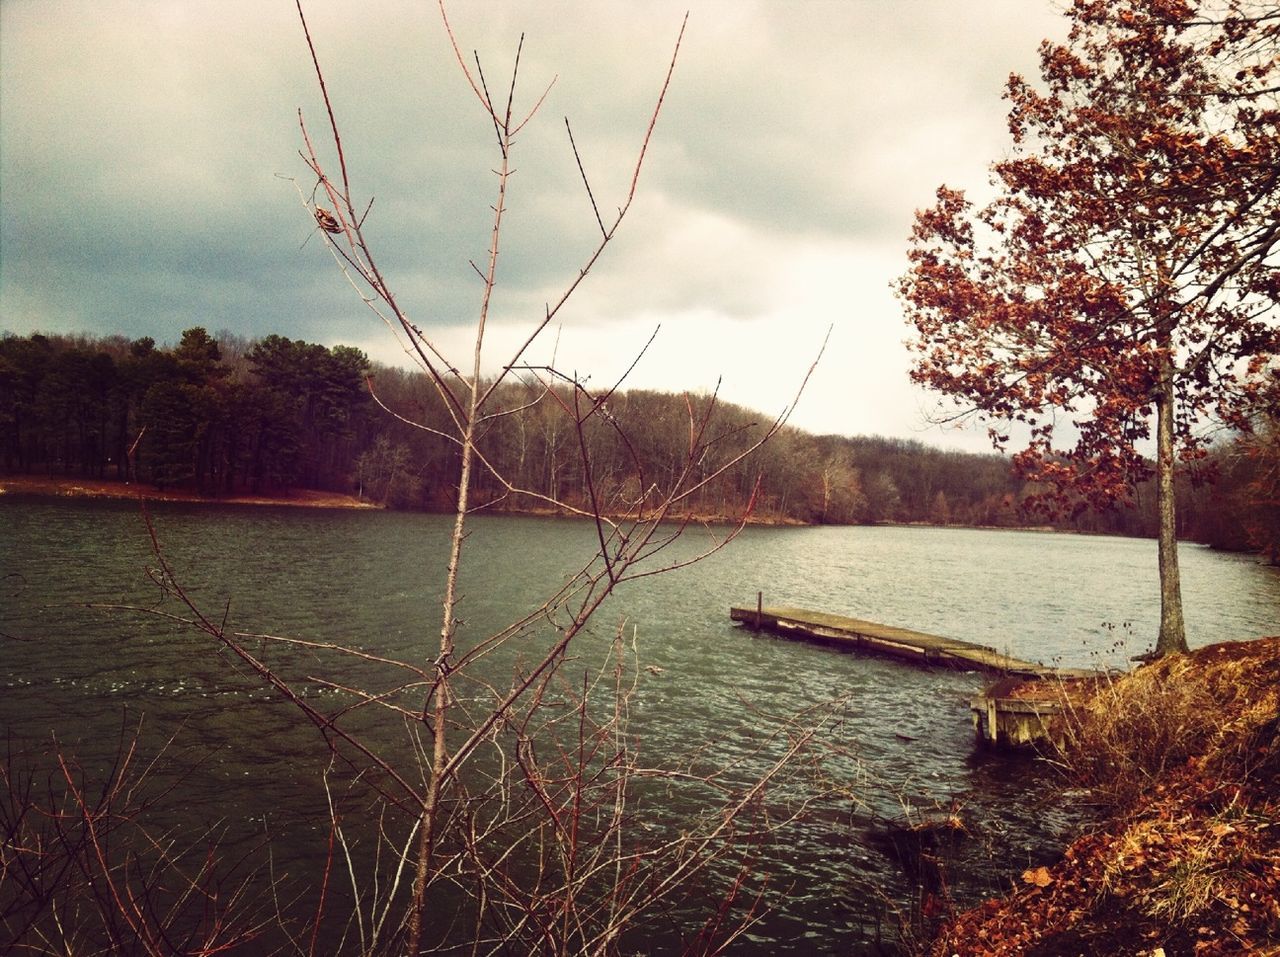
(1038, 876)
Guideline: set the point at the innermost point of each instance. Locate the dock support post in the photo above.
(759, 609)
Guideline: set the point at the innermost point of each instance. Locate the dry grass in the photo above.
(1201, 720)
(1184, 756)
(1132, 729)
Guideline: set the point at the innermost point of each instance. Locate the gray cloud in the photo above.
(146, 148)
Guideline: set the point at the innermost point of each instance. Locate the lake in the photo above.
(900, 737)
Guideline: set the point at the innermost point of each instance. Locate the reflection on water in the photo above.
(901, 737)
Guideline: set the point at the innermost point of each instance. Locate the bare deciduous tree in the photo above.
(507, 816)
(630, 546)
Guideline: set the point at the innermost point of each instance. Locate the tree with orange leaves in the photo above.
(1124, 278)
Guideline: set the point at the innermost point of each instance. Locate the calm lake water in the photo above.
(373, 579)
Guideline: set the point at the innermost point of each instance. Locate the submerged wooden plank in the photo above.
(875, 638)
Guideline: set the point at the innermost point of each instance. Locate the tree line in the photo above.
(217, 415)
(226, 415)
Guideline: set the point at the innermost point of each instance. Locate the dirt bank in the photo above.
(56, 487)
(91, 488)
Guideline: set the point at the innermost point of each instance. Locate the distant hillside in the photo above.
(227, 416)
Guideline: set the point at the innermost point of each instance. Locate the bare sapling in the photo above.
(507, 817)
(628, 548)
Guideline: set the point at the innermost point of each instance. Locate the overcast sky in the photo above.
(148, 161)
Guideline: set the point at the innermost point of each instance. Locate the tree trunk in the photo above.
(438, 708)
(1173, 634)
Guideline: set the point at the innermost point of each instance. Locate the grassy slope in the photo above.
(1185, 755)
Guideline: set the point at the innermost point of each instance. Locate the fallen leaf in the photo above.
(1038, 876)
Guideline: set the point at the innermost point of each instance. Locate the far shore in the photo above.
(73, 487)
(52, 486)
(68, 487)
(77, 488)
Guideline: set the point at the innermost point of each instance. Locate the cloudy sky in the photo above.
(149, 177)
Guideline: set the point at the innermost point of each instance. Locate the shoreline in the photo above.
(67, 487)
(44, 486)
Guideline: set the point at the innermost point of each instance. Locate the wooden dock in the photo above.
(903, 644)
(1018, 713)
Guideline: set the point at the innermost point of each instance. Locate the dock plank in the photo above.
(902, 643)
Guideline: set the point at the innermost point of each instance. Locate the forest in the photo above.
(224, 414)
